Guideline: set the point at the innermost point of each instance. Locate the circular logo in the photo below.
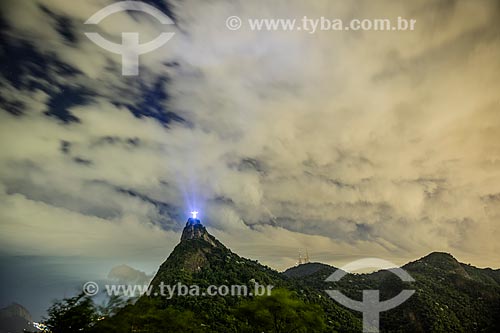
(233, 23)
(90, 288)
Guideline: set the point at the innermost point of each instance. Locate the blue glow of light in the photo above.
(194, 214)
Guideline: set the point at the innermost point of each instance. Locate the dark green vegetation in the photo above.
(450, 297)
(75, 314)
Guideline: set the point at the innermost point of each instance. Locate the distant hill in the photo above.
(301, 271)
(15, 319)
(445, 263)
(450, 296)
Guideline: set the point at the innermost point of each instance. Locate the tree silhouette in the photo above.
(75, 314)
(280, 312)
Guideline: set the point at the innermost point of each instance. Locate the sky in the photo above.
(347, 144)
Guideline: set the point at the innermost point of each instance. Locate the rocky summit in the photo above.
(195, 230)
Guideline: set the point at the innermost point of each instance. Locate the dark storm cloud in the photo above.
(63, 24)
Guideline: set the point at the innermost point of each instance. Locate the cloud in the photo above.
(372, 136)
(345, 143)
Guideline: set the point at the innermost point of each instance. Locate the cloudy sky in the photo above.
(347, 144)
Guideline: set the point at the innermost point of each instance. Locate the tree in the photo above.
(75, 314)
(280, 312)
(148, 316)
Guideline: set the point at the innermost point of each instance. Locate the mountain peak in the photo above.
(15, 318)
(440, 261)
(194, 229)
(199, 252)
(15, 309)
(440, 258)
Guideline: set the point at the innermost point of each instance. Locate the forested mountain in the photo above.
(449, 296)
